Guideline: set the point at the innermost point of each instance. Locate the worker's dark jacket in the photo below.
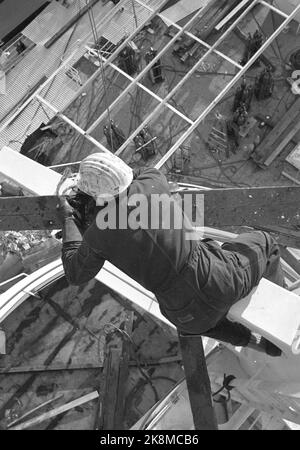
(195, 281)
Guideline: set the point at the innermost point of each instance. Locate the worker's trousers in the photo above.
(216, 277)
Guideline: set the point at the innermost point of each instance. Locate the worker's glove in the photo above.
(84, 210)
(64, 209)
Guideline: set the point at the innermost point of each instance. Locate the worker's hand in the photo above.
(64, 209)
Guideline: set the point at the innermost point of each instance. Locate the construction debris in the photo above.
(253, 44)
(243, 96)
(264, 85)
(55, 412)
(37, 408)
(279, 137)
(155, 72)
(20, 242)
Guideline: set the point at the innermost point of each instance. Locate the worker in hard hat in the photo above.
(195, 281)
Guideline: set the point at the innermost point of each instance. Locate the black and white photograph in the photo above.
(149, 219)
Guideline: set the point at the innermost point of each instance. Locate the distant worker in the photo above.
(195, 281)
(20, 47)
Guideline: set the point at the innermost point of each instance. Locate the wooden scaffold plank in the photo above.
(198, 382)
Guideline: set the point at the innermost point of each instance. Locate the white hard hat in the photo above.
(103, 176)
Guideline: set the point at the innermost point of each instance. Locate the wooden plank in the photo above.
(294, 157)
(70, 23)
(2, 342)
(232, 14)
(182, 9)
(283, 143)
(287, 236)
(37, 408)
(28, 174)
(112, 379)
(29, 213)
(266, 146)
(60, 367)
(290, 259)
(207, 24)
(281, 126)
(287, 175)
(55, 412)
(123, 373)
(198, 383)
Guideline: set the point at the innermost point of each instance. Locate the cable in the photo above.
(96, 42)
(225, 386)
(51, 82)
(276, 40)
(262, 31)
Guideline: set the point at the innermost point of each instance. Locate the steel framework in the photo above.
(137, 80)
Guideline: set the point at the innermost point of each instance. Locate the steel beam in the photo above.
(251, 207)
(184, 79)
(73, 124)
(144, 71)
(144, 88)
(278, 11)
(226, 89)
(205, 44)
(118, 50)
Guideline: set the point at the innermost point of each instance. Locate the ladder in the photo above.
(217, 140)
(74, 75)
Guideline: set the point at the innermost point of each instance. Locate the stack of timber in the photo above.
(277, 140)
(211, 16)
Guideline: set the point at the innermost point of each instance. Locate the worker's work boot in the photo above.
(261, 344)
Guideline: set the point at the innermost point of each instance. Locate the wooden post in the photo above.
(198, 382)
(111, 410)
(109, 403)
(123, 373)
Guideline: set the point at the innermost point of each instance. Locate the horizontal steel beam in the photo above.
(252, 207)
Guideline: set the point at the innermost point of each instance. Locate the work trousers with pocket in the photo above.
(216, 277)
